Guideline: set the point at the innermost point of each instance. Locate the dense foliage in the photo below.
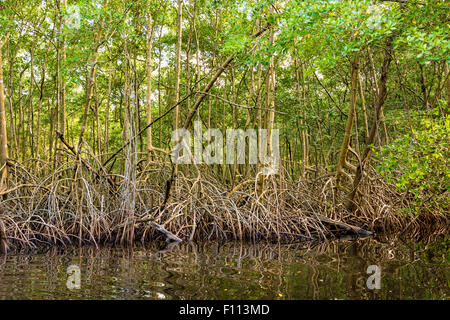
(351, 85)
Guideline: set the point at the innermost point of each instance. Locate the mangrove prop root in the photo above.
(49, 206)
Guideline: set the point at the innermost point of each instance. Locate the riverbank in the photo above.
(76, 207)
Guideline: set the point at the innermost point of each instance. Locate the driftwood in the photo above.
(344, 226)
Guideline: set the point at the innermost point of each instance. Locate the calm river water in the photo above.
(330, 270)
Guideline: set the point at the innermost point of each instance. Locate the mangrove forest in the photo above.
(193, 121)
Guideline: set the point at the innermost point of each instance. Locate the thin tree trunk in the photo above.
(188, 63)
(423, 86)
(91, 83)
(271, 101)
(58, 18)
(363, 108)
(212, 68)
(41, 97)
(447, 76)
(97, 122)
(159, 85)
(3, 133)
(12, 127)
(30, 121)
(197, 46)
(178, 62)
(149, 82)
(301, 94)
(108, 106)
(374, 75)
(373, 130)
(126, 104)
(349, 124)
(61, 78)
(21, 130)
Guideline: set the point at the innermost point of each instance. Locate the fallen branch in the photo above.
(17, 187)
(347, 227)
(169, 235)
(146, 127)
(213, 80)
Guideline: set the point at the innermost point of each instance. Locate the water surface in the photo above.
(330, 270)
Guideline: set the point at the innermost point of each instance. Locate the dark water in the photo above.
(332, 270)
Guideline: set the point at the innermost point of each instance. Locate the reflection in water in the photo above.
(329, 270)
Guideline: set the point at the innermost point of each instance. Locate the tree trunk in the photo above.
(374, 75)
(178, 62)
(423, 86)
(373, 130)
(447, 76)
(91, 83)
(149, 82)
(108, 106)
(30, 122)
(363, 109)
(301, 94)
(3, 135)
(41, 97)
(342, 163)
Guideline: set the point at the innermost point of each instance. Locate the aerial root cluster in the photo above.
(72, 205)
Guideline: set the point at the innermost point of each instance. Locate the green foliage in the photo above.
(418, 162)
